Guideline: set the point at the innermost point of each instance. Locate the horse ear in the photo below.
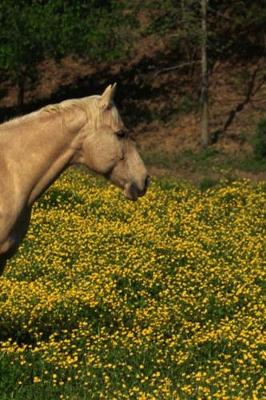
(107, 97)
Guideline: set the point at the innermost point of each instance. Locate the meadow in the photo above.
(159, 299)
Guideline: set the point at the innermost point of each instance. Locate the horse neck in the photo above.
(39, 150)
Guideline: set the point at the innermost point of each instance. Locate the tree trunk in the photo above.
(204, 77)
(183, 9)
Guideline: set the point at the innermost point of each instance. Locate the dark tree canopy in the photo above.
(107, 30)
(30, 31)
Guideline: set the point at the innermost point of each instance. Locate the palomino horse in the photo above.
(36, 148)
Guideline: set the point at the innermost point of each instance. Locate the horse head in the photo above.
(108, 150)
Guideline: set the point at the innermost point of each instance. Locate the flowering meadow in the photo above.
(159, 299)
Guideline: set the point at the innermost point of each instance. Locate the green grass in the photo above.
(208, 162)
(158, 299)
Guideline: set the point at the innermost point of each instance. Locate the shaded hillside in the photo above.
(159, 104)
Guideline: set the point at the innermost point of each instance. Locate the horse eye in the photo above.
(121, 134)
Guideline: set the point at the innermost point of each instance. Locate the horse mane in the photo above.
(74, 113)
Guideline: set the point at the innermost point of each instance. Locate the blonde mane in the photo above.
(68, 109)
(36, 148)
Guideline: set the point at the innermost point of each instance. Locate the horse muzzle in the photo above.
(132, 191)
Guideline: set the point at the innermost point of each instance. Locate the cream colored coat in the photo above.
(36, 148)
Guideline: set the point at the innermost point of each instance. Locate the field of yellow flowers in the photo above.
(159, 299)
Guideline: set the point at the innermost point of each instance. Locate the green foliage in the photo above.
(26, 37)
(97, 30)
(259, 140)
(207, 183)
(187, 104)
(235, 28)
(33, 30)
(179, 22)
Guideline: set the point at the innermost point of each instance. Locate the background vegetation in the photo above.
(163, 299)
(152, 48)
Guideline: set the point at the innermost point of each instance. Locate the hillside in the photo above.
(160, 105)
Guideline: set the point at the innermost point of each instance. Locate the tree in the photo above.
(30, 31)
(236, 31)
(26, 37)
(204, 77)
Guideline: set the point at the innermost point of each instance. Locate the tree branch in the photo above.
(251, 91)
(173, 68)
